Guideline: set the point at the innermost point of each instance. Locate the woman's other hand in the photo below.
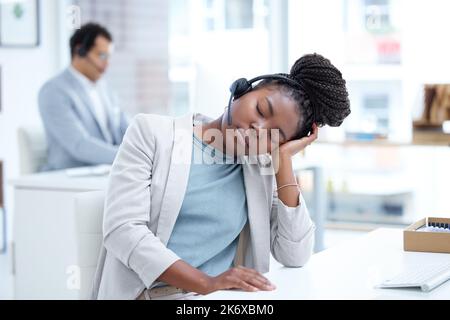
(292, 147)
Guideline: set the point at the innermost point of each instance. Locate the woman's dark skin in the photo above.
(251, 111)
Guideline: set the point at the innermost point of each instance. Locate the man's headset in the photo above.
(83, 51)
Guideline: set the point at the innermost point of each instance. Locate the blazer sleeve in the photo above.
(127, 207)
(62, 123)
(292, 232)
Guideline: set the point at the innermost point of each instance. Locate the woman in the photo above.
(188, 212)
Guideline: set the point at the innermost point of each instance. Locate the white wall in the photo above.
(24, 70)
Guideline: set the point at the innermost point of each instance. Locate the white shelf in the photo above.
(373, 72)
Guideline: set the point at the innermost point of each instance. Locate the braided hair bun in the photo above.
(326, 98)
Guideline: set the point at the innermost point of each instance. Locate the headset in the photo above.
(83, 51)
(242, 86)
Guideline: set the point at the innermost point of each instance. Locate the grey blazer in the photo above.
(74, 137)
(146, 188)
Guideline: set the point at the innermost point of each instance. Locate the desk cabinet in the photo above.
(44, 239)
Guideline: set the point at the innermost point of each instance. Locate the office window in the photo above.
(177, 56)
(212, 43)
(387, 50)
(139, 67)
(364, 38)
(239, 14)
(232, 14)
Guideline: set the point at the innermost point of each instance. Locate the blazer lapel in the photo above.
(180, 163)
(258, 214)
(81, 94)
(112, 113)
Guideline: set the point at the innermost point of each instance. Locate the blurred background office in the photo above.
(177, 56)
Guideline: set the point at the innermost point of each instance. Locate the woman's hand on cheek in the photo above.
(292, 147)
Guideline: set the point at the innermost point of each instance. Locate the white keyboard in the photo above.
(426, 277)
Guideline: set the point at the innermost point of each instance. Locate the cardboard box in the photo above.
(430, 137)
(426, 241)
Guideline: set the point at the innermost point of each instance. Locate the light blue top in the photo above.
(213, 213)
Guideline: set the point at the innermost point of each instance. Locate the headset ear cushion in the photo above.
(240, 87)
(81, 52)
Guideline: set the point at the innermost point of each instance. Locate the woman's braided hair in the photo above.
(321, 93)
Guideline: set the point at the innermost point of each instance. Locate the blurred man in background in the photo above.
(83, 123)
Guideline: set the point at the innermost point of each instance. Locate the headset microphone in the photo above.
(83, 52)
(100, 70)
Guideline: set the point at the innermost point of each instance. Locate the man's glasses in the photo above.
(103, 56)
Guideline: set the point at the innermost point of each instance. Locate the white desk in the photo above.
(44, 243)
(59, 181)
(348, 271)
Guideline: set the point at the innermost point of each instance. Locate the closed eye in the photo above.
(259, 111)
